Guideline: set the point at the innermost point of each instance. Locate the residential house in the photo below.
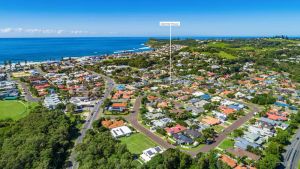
(210, 121)
(120, 107)
(228, 160)
(120, 131)
(149, 153)
(181, 139)
(176, 129)
(51, 101)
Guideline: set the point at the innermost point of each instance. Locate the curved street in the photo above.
(133, 119)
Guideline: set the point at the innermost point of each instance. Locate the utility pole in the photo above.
(170, 24)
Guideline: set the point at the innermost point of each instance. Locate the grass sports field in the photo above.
(137, 143)
(14, 109)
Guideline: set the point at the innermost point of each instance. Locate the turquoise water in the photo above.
(41, 49)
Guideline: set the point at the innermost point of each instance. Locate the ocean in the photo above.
(43, 49)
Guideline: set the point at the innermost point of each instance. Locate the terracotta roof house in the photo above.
(112, 124)
(118, 107)
(210, 120)
(243, 153)
(228, 160)
(119, 104)
(276, 117)
(176, 129)
(226, 110)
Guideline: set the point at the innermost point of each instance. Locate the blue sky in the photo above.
(46, 18)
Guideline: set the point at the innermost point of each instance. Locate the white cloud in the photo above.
(6, 30)
(41, 31)
(79, 32)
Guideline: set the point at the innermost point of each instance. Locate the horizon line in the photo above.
(174, 37)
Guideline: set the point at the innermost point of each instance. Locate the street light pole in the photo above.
(170, 24)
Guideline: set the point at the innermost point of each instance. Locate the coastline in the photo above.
(31, 50)
(114, 54)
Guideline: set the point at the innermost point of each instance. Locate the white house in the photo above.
(51, 101)
(120, 131)
(82, 101)
(222, 117)
(216, 99)
(197, 94)
(239, 95)
(261, 131)
(201, 103)
(151, 152)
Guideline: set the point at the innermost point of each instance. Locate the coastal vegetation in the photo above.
(40, 140)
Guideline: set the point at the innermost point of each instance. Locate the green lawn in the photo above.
(218, 128)
(137, 143)
(15, 110)
(227, 143)
(225, 55)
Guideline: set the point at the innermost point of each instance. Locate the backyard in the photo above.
(137, 143)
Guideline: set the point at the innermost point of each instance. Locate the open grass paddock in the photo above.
(13, 109)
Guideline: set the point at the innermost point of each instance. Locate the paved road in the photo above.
(253, 108)
(291, 157)
(94, 116)
(28, 95)
(132, 118)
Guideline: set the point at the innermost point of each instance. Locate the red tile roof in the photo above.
(176, 129)
(228, 160)
(119, 104)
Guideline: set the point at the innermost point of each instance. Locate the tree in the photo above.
(274, 148)
(230, 95)
(231, 117)
(61, 106)
(238, 133)
(100, 150)
(263, 99)
(161, 131)
(282, 137)
(212, 91)
(40, 140)
(71, 108)
(209, 133)
(170, 159)
(270, 161)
